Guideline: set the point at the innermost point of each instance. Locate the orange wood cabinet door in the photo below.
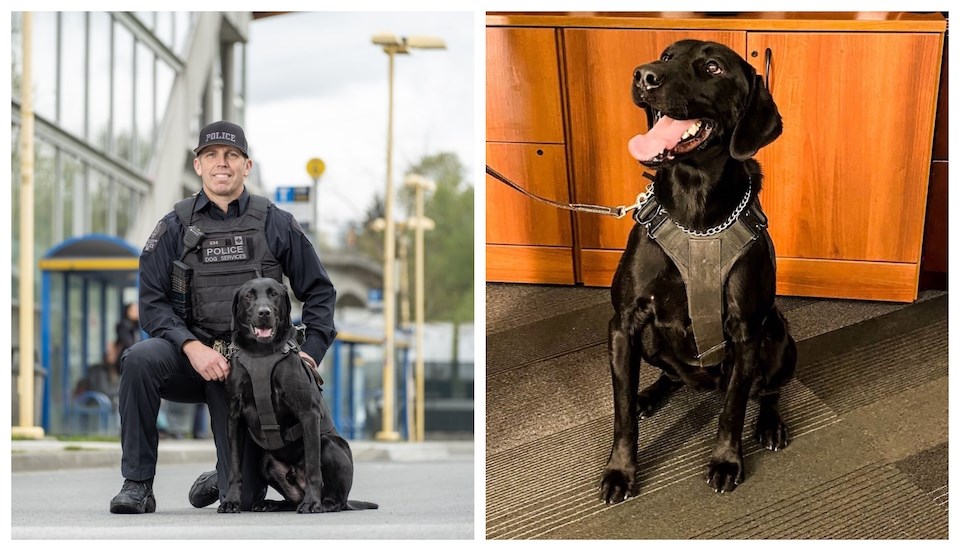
(523, 86)
(514, 218)
(528, 241)
(599, 66)
(847, 179)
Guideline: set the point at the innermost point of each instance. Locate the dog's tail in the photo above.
(360, 505)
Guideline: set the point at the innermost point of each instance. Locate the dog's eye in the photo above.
(713, 68)
(666, 56)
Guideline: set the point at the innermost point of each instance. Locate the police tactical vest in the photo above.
(231, 253)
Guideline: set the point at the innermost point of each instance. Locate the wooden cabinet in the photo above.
(526, 241)
(846, 183)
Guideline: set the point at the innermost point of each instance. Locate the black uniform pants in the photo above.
(155, 369)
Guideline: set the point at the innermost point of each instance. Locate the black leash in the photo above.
(617, 212)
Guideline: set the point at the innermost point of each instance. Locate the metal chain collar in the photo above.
(717, 229)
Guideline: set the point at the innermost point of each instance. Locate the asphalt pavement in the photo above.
(62, 491)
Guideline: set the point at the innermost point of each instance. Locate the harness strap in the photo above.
(268, 436)
(263, 396)
(704, 264)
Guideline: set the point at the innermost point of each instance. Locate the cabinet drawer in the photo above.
(527, 264)
(523, 86)
(514, 218)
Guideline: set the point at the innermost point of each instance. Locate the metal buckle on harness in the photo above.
(223, 347)
(647, 213)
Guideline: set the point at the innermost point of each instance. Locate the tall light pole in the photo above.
(420, 223)
(392, 45)
(27, 427)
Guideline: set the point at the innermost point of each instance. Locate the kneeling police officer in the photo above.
(194, 260)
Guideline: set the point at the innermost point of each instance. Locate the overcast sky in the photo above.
(318, 87)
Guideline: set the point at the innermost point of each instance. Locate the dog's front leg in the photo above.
(313, 492)
(231, 501)
(619, 477)
(725, 469)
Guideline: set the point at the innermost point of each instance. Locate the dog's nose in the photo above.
(263, 312)
(647, 78)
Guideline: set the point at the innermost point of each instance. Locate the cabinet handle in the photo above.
(767, 56)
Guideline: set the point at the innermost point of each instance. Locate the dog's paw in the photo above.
(772, 433)
(723, 475)
(310, 507)
(647, 405)
(265, 506)
(617, 485)
(229, 507)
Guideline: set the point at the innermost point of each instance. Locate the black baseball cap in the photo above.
(222, 133)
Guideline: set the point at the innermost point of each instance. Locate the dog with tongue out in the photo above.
(693, 294)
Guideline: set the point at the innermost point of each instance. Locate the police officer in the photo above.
(190, 267)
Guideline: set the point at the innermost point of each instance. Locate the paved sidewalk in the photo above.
(50, 454)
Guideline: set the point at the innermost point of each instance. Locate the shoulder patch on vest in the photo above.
(158, 232)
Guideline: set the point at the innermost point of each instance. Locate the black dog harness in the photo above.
(260, 368)
(704, 259)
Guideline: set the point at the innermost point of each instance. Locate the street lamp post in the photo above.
(392, 45)
(420, 223)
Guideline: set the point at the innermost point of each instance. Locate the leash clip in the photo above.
(642, 199)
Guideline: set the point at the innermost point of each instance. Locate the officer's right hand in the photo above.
(210, 364)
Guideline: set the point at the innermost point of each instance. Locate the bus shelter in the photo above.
(84, 281)
(355, 387)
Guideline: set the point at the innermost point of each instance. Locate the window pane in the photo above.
(100, 79)
(145, 88)
(122, 91)
(164, 29)
(45, 64)
(72, 186)
(183, 21)
(99, 197)
(147, 18)
(16, 51)
(239, 74)
(44, 185)
(127, 203)
(165, 77)
(72, 77)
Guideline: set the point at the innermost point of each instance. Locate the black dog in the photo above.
(709, 113)
(277, 397)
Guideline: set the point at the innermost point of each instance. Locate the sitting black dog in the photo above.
(277, 396)
(694, 292)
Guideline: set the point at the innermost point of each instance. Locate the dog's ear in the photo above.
(285, 317)
(759, 124)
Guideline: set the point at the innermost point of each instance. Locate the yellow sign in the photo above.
(315, 168)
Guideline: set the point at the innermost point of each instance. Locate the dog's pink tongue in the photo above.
(665, 134)
(263, 332)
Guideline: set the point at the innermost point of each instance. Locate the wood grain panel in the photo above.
(599, 68)
(514, 218)
(523, 86)
(848, 177)
(885, 281)
(744, 21)
(935, 227)
(525, 264)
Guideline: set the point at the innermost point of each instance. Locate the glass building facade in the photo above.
(103, 87)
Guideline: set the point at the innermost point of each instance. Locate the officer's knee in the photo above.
(143, 356)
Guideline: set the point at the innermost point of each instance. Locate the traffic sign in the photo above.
(315, 168)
